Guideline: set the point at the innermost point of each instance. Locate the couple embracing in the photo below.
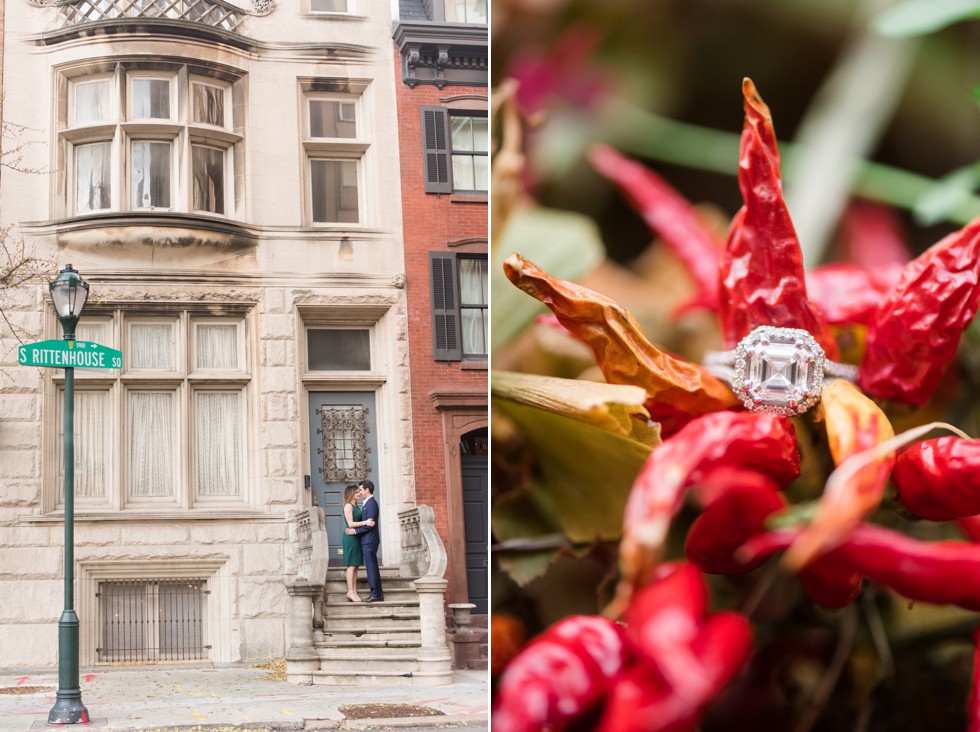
(361, 540)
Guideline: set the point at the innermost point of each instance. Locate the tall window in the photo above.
(460, 315)
(334, 152)
(139, 140)
(456, 149)
(169, 429)
(329, 6)
(466, 11)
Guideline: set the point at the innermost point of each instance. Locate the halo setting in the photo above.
(778, 370)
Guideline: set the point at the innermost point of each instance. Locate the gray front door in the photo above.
(474, 461)
(343, 450)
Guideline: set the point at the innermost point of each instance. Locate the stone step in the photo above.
(387, 573)
(336, 662)
(371, 609)
(367, 645)
(340, 588)
(356, 678)
(409, 633)
(352, 625)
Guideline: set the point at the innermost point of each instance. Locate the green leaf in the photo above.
(526, 514)
(946, 195)
(919, 17)
(587, 454)
(563, 244)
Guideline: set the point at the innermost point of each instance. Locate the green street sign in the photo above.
(69, 354)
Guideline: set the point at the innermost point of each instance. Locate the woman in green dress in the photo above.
(352, 543)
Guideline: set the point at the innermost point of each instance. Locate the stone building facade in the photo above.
(221, 174)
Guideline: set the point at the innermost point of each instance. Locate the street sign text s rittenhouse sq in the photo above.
(69, 354)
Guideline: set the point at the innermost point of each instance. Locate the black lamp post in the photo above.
(68, 294)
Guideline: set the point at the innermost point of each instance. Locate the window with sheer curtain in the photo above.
(460, 306)
(123, 140)
(473, 306)
(168, 430)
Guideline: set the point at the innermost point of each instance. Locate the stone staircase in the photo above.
(402, 640)
(368, 643)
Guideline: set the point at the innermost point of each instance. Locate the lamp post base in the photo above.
(68, 709)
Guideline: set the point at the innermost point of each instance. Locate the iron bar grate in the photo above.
(147, 620)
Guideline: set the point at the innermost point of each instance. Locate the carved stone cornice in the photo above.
(443, 53)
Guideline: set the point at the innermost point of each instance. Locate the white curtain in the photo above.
(152, 444)
(96, 331)
(91, 455)
(473, 293)
(92, 102)
(91, 448)
(218, 427)
(93, 177)
(217, 346)
(151, 346)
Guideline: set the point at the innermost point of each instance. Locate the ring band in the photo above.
(779, 370)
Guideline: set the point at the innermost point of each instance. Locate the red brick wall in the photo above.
(430, 222)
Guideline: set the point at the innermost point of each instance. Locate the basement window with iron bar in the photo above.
(152, 620)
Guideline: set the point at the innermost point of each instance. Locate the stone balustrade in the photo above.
(308, 537)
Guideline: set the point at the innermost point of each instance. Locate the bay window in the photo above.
(136, 139)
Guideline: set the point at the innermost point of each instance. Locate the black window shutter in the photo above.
(446, 336)
(435, 144)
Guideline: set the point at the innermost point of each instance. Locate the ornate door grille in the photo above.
(345, 450)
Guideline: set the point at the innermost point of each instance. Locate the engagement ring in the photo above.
(778, 370)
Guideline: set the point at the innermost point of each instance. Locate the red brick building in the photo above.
(442, 98)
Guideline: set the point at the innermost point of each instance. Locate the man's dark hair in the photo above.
(368, 486)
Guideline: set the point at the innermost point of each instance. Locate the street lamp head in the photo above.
(68, 294)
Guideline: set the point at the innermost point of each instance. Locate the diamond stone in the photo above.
(778, 370)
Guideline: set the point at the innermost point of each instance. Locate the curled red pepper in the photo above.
(940, 479)
(915, 330)
(674, 387)
(686, 655)
(762, 281)
(561, 674)
(941, 572)
(738, 503)
(759, 441)
(669, 215)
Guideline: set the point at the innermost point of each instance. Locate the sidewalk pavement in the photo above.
(231, 698)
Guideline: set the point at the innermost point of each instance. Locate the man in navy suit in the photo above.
(370, 539)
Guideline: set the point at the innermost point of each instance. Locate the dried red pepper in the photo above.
(759, 441)
(941, 572)
(642, 702)
(674, 387)
(738, 502)
(854, 424)
(564, 672)
(762, 281)
(669, 215)
(847, 294)
(872, 236)
(915, 330)
(940, 479)
(685, 657)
